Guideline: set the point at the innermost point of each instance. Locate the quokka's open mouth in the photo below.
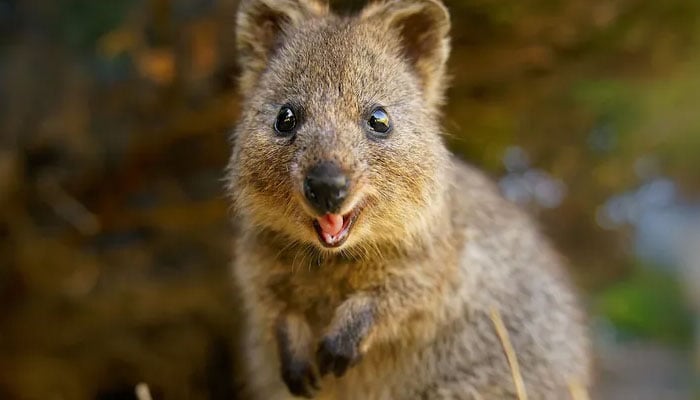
(334, 229)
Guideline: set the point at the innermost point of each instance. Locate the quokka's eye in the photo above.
(379, 123)
(286, 121)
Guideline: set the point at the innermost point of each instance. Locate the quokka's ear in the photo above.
(423, 27)
(259, 24)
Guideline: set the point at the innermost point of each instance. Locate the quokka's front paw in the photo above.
(300, 378)
(346, 338)
(336, 354)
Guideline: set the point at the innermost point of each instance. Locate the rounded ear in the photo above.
(259, 26)
(423, 27)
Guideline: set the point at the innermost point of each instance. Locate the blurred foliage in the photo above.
(649, 303)
(114, 116)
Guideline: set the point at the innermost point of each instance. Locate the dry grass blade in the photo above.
(578, 392)
(510, 353)
(142, 392)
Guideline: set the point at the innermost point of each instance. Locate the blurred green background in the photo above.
(114, 229)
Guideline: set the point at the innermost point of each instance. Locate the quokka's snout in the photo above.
(327, 190)
(326, 187)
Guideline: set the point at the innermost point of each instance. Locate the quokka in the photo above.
(368, 258)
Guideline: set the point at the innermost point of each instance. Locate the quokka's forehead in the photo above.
(339, 56)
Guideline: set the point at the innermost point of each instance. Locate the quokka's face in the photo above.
(337, 145)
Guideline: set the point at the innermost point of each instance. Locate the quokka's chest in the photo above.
(317, 291)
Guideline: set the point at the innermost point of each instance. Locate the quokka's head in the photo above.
(339, 140)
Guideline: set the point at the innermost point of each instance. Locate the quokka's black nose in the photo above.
(326, 187)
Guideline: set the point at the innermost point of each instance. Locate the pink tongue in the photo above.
(331, 224)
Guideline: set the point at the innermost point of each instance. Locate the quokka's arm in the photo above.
(294, 344)
(378, 314)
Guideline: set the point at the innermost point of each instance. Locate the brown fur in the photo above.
(401, 310)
